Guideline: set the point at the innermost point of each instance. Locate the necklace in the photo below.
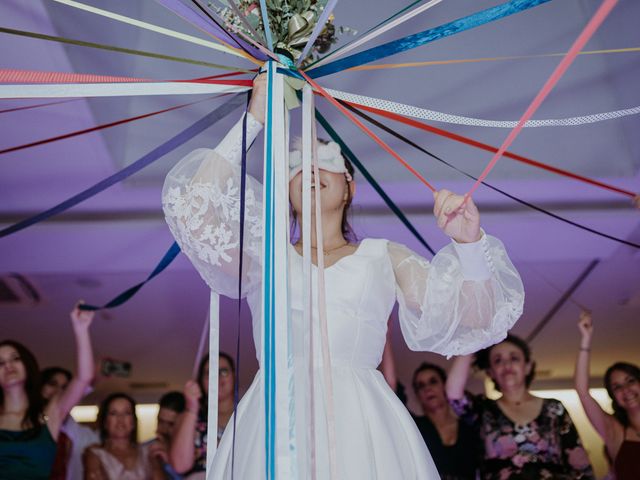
(329, 250)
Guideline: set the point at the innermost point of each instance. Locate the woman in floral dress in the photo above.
(524, 437)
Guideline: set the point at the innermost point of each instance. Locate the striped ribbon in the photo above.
(416, 40)
(432, 115)
(489, 148)
(500, 191)
(11, 75)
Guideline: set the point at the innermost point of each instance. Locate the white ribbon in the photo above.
(378, 31)
(214, 349)
(285, 400)
(425, 114)
(308, 108)
(150, 26)
(60, 90)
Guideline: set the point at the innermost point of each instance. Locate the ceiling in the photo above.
(112, 241)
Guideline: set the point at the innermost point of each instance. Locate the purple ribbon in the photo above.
(214, 28)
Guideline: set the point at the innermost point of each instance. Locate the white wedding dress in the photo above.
(465, 299)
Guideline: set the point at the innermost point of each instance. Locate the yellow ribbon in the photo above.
(485, 59)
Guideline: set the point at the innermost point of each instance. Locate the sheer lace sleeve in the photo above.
(466, 299)
(201, 202)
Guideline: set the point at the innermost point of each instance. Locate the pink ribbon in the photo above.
(587, 33)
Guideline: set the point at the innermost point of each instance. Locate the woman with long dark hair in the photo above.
(620, 431)
(29, 428)
(525, 437)
(119, 456)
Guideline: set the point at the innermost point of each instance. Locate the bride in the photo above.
(465, 299)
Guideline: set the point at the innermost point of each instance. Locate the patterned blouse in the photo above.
(546, 448)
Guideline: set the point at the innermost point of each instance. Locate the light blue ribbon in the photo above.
(268, 291)
(265, 23)
(418, 39)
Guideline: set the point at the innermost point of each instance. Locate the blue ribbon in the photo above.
(365, 173)
(269, 337)
(411, 5)
(243, 187)
(171, 254)
(265, 23)
(418, 39)
(187, 134)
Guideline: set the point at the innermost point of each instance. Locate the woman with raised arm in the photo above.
(28, 429)
(524, 436)
(466, 298)
(620, 431)
(188, 452)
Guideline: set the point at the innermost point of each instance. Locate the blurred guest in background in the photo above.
(620, 431)
(119, 456)
(454, 445)
(29, 426)
(188, 451)
(171, 405)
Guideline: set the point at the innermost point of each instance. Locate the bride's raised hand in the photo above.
(462, 223)
(259, 97)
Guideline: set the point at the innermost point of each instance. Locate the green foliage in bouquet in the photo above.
(291, 23)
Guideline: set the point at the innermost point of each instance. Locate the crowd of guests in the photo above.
(516, 436)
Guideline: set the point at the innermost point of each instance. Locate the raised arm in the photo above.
(468, 296)
(182, 451)
(201, 202)
(601, 420)
(59, 407)
(458, 376)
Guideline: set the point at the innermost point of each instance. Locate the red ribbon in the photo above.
(489, 148)
(97, 127)
(361, 125)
